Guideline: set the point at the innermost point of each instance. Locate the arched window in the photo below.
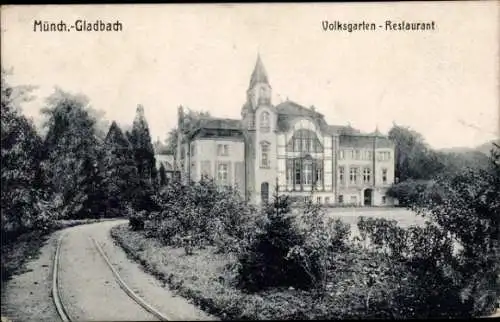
(304, 140)
(264, 122)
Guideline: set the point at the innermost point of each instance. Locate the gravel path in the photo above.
(88, 288)
(28, 297)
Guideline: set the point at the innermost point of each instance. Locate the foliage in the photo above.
(189, 122)
(323, 238)
(120, 171)
(414, 158)
(22, 192)
(265, 263)
(72, 155)
(468, 208)
(163, 175)
(203, 214)
(142, 145)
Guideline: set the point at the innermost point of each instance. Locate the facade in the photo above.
(290, 146)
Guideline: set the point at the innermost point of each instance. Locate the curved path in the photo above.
(89, 291)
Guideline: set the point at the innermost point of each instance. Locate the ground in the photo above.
(88, 289)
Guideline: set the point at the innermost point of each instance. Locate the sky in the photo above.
(442, 83)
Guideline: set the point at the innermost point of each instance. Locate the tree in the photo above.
(21, 174)
(142, 145)
(145, 162)
(414, 158)
(190, 122)
(163, 175)
(120, 171)
(468, 207)
(72, 154)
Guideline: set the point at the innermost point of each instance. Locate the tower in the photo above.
(258, 93)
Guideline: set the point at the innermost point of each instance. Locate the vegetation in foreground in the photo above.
(244, 263)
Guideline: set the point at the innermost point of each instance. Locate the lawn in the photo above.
(404, 217)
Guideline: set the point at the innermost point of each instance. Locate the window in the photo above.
(353, 172)
(307, 173)
(367, 175)
(350, 154)
(384, 156)
(298, 172)
(289, 172)
(384, 200)
(222, 149)
(341, 198)
(264, 155)
(341, 155)
(222, 173)
(305, 141)
(342, 175)
(357, 155)
(327, 200)
(251, 122)
(384, 176)
(264, 122)
(319, 175)
(367, 155)
(318, 199)
(354, 200)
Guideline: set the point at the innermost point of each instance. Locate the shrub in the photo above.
(264, 263)
(136, 218)
(321, 240)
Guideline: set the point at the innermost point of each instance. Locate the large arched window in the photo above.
(304, 140)
(264, 122)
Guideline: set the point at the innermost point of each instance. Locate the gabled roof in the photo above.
(259, 74)
(364, 141)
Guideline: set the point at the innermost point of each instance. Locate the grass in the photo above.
(202, 277)
(16, 252)
(205, 279)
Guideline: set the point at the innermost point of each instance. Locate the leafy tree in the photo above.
(120, 171)
(72, 153)
(468, 208)
(21, 174)
(414, 158)
(190, 121)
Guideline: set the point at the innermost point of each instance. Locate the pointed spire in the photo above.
(259, 74)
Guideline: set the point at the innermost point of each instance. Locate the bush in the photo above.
(265, 262)
(136, 218)
(203, 213)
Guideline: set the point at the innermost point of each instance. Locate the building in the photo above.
(165, 158)
(291, 146)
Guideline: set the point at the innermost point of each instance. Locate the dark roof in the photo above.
(217, 127)
(291, 108)
(219, 123)
(259, 74)
(364, 141)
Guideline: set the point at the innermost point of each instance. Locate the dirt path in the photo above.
(89, 290)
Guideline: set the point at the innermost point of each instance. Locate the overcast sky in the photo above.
(442, 83)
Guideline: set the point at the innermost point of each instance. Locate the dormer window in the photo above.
(264, 122)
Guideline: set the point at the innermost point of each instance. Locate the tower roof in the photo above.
(259, 74)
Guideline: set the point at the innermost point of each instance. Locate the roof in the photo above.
(259, 74)
(364, 141)
(220, 123)
(210, 127)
